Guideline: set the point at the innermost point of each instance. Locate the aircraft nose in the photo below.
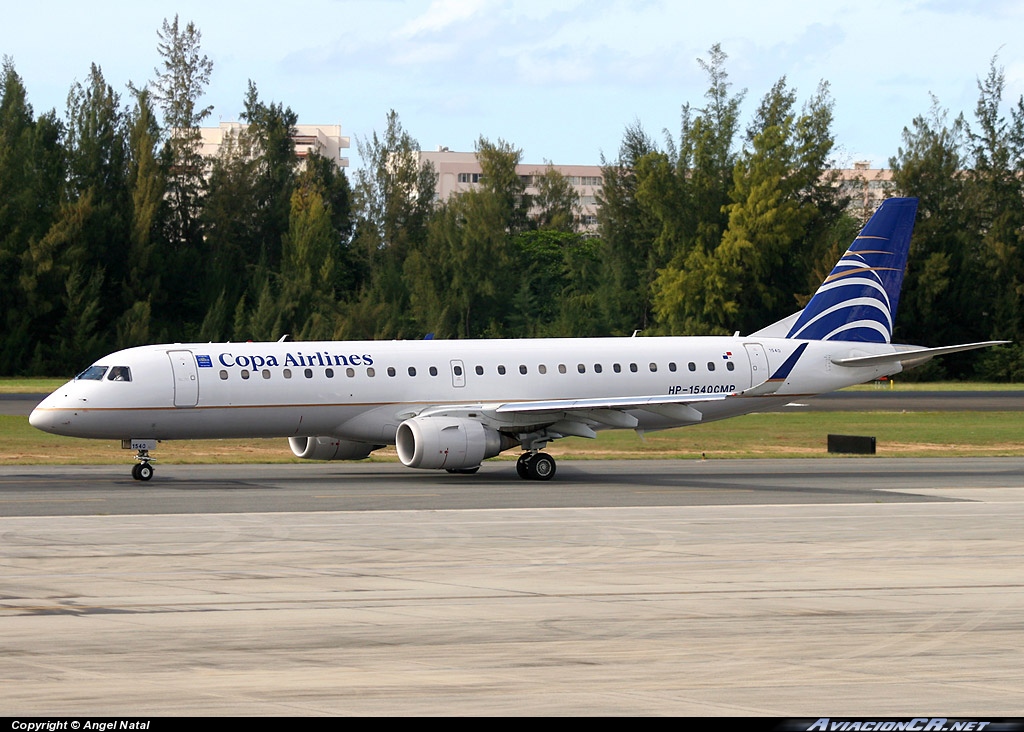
(41, 419)
(44, 416)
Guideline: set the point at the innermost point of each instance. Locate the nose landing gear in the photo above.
(143, 469)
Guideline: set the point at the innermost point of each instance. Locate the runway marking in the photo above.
(696, 490)
(270, 603)
(53, 500)
(379, 495)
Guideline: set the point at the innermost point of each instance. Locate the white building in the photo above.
(326, 139)
(459, 171)
(865, 186)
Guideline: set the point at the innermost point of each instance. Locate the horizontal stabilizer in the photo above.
(912, 357)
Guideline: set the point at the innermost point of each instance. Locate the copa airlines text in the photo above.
(452, 404)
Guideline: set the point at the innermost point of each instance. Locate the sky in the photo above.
(560, 80)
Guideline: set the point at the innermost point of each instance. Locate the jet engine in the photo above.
(329, 448)
(447, 442)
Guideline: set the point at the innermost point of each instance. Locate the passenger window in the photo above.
(479, 370)
(412, 371)
(501, 370)
(329, 373)
(711, 365)
(223, 375)
(692, 366)
(245, 373)
(542, 369)
(391, 371)
(654, 367)
(308, 373)
(120, 373)
(266, 373)
(287, 373)
(370, 372)
(350, 372)
(617, 368)
(597, 368)
(581, 368)
(672, 366)
(632, 367)
(433, 370)
(522, 369)
(730, 365)
(457, 370)
(561, 368)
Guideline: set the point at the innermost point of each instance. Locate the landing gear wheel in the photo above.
(523, 465)
(542, 467)
(143, 470)
(462, 471)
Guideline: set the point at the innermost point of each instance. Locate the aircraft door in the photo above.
(186, 378)
(758, 363)
(458, 374)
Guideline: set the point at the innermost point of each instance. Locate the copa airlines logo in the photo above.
(852, 304)
(257, 361)
(857, 301)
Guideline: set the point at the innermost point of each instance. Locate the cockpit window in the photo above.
(93, 373)
(120, 373)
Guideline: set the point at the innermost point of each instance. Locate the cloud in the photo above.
(440, 16)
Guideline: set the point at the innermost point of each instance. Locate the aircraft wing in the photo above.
(578, 417)
(571, 416)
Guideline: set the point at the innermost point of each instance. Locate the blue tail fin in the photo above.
(857, 301)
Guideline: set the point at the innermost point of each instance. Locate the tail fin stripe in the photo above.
(860, 302)
(857, 325)
(842, 286)
(858, 270)
(821, 329)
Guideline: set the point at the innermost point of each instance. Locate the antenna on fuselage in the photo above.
(285, 338)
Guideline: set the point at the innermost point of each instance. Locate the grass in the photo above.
(775, 435)
(29, 385)
(897, 385)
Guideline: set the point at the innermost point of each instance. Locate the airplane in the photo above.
(452, 404)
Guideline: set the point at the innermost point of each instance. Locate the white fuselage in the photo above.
(362, 390)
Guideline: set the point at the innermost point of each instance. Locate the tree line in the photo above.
(115, 231)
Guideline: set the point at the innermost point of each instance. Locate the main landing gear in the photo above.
(535, 466)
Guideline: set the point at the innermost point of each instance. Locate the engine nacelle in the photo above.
(447, 442)
(329, 448)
